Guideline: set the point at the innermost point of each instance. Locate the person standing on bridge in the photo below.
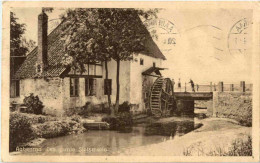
(179, 84)
(192, 85)
(173, 83)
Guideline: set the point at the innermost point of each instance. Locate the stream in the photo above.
(107, 143)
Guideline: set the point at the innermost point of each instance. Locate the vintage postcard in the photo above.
(130, 81)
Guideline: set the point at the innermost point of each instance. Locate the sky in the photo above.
(210, 45)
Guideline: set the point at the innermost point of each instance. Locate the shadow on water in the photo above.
(172, 128)
(106, 142)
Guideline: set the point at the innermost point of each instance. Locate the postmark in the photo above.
(163, 31)
(239, 38)
(76, 122)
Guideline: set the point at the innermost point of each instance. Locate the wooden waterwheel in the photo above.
(161, 97)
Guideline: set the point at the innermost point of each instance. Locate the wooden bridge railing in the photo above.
(220, 87)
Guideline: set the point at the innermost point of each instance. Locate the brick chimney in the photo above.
(42, 42)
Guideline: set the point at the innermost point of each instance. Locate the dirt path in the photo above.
(215, 134)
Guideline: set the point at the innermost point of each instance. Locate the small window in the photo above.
(154, 64)
(141, 61)
(38, 68)
(90, 87)
(74, 86)
(15, 88)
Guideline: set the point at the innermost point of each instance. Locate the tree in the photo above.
(86, 42)
(17, 48)
(104, 34)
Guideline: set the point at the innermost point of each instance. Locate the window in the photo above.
(141, 61)
(15, 88)
(154, 64)
(38, 68)
(90, 87)
(74, 86)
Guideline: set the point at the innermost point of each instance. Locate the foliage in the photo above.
(239, 108)
(76, 118)
(20, 130)
(17, 30)
(121, 122)
(25, 127)
(239, 147)
(38, 118)
(112, 121)
(52, 129)
(88, 109)
(100, 34)
(124, 107)
(33, 104)
(124, 121)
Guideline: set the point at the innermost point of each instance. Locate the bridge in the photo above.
(193, 95)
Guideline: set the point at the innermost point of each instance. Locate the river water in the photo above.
(106, 142)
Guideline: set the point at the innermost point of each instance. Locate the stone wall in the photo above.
(48, 90)
(207, 104)
(234, 105)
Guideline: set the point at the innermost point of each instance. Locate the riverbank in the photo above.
(217, 136)
(28, 130)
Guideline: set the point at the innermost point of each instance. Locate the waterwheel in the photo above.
(161, 97)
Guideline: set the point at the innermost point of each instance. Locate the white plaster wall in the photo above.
(136, 77)
(124, 80)
(55, 92)
(81, 100)
(48, 91)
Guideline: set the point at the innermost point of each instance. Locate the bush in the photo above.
(122, 121)
(125, 107)
(20, 130)
(241, 147)
(83, 111)
(57, 128)
(52, 129)
(88, 109)
(33, 104)
(76, 118)
(38, 118)
(112, 121)
(238, 107)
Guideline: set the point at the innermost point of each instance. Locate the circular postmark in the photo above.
(239, 37)
(163, 31)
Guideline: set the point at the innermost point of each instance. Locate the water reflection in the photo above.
(171, 128)
(106, 142)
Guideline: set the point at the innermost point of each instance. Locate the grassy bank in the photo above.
(238, 147)
(216, 137)
(26, 127)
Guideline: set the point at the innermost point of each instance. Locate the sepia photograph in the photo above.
(131, 81)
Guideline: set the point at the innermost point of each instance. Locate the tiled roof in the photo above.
(55, 54)
(151, 49)
(156, 70)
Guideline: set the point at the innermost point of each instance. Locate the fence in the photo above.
(220, 87)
